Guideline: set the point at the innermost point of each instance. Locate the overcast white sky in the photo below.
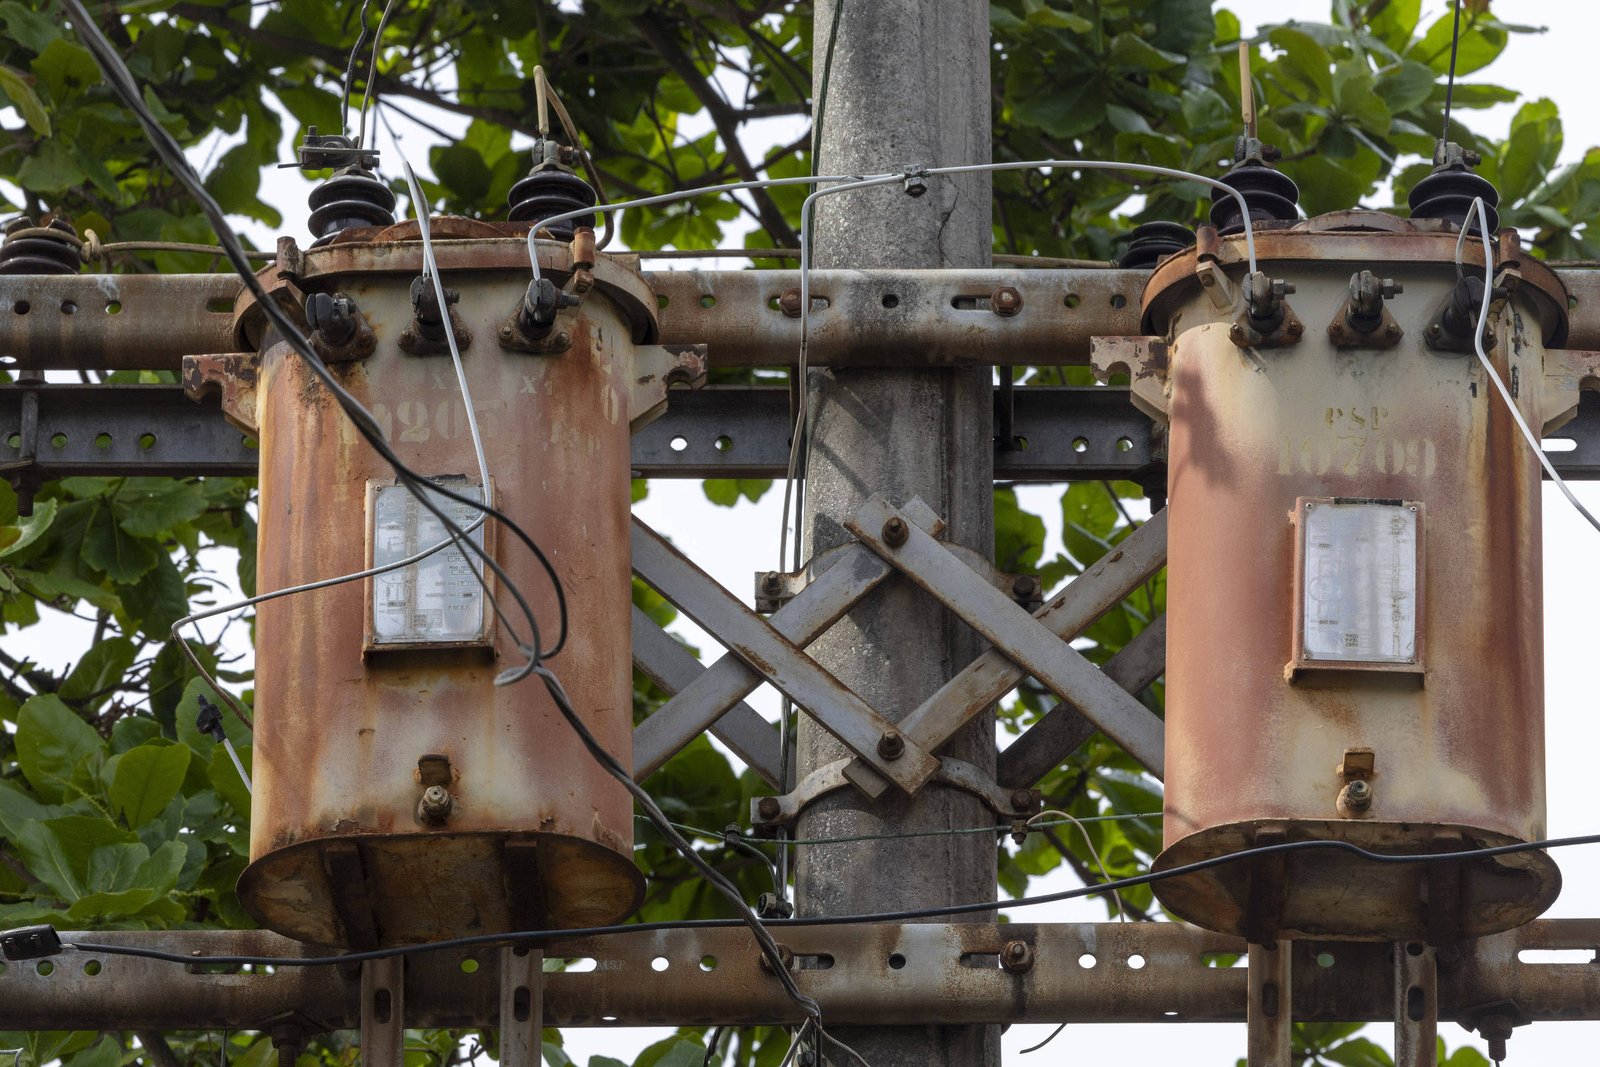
(733, 544)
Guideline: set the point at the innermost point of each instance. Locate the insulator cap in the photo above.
(30, 249)
(1151, 242)
(352, 197)
(548, 191)
(1271, 194)
(1448, 193)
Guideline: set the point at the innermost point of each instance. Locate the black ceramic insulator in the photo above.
(52, 249)
(350, 198)
(549, 192)
(1151, 242)
(1271, 194)
(1447, 194)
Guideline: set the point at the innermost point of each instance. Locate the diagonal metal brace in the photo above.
(709, 697)
(1015, 634)
(675, 669)
(748, 636)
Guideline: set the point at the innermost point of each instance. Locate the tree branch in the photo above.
(726, 121)
(157, 1047)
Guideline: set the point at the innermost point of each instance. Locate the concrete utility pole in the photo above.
(908, 84)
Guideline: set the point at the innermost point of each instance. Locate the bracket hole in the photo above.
(708, 301)
(660, 963)
(708, 963)
(1136, 962)
(1080, 444)
(608, 1018)
(1414, 948)
(1087, 960)
(22, 307)
(896, 961)
(723, 443)
(1072, 300)
(6, 361)
(1118, 300)
(14, 441)
(469, 966)
(1559, 444)
(1557, 955)
(678, 443)
(102, 441)
(1124, 444)
(1416, 1004)
(147, 441)
(661, 300)
(93, 968)
(69, 307)
(114, 307)
(58, 440)
(1324, 959)
(890, 300)
(45, 968)
(521, 1003)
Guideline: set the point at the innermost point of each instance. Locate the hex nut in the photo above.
(895, 532)
(789, 303)
(1017, 957)
(769, 808)
(1006, 300)
(891, 746)
(1355, 798)
(435, 806)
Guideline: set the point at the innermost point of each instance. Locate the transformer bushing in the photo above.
(1151, 242)
(1354, 647)
(1448, 191)
(1271, 195)
(400, 795)
(51, 249)
(550, 189)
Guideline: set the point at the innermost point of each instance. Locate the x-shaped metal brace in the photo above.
(885, 753)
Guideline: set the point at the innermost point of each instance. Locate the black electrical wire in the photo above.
(711, 1045)
(1450, 83)
(350, 67)
(910, 915)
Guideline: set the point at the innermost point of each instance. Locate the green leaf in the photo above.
(1305, 59)
(17, 808)
(109, 548)
(463, 172)
(158, 599)
(34, 30)
(1131, 52)
(224, 778)
(66, 69)
(1394, 21)
(189, 706)
(1066, 112)
(94, 908)
(52, 167)
(16, 87)
(107, 1052)
(58, 851)
(33, 527)
(147, 779)
(100, 668)
(150, 506)
(51, 741)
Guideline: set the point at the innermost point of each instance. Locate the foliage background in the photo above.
(114, 812)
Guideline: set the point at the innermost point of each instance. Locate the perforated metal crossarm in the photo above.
(1019, 637)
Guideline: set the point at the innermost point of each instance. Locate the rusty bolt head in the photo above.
(563, 339)
(1294, 327)
(1392, 330)
(1017, 957)
(771, 582)
(435, 804)
(891, 745)
(785, 953)
(1433, 331)
(1006, 301)
(769, 808)
(1024, 587)
(895, 532)
(1355, 797)
(1236, 334)
(1022, 800)
(789, 303)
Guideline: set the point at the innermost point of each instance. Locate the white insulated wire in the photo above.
(1494, 375)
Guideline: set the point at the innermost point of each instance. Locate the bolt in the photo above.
(772, 583)
(789, 303)
(435, 805)
(915, 185)
(506, 331)
(1006, 301)
(769, 808)
(1495, 1029)
(562, 340)
(1017, 957)
(1295, 327)
(1390, 288)
(891, 746)
(1392, 331)
(1236, 334)
(1022, 799)
(1356, 796)
(895, 532)
(1024, 587)
(1433, 331)
(785, 954)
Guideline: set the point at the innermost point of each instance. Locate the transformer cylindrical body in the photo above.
(350, 731)
(1391, 638)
